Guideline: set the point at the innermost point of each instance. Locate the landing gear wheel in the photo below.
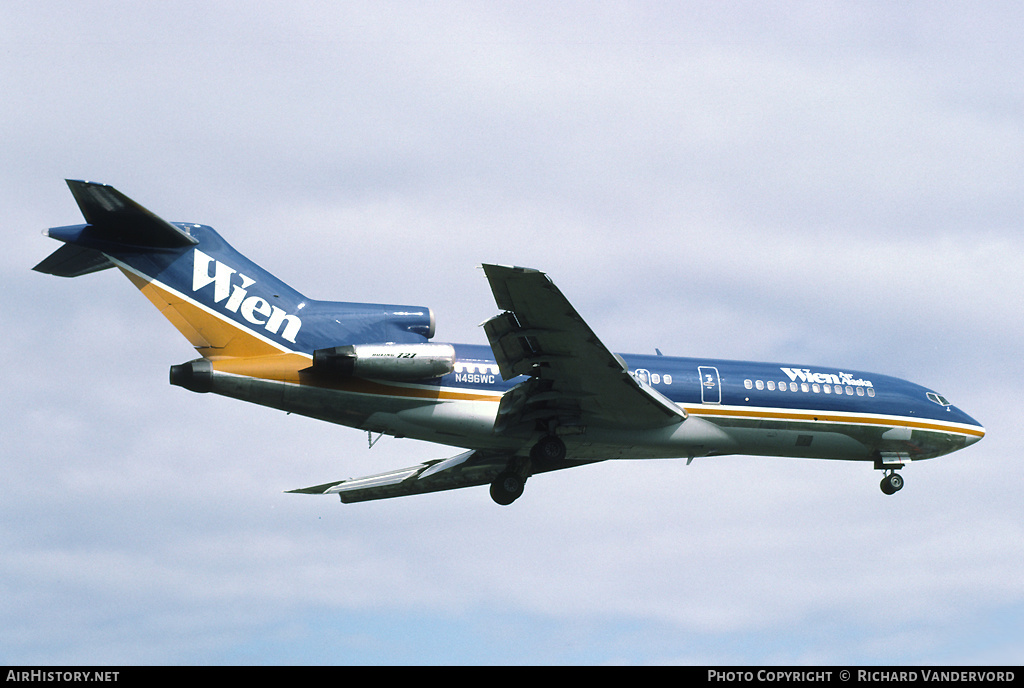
(550, 448)
(892, 483)
(507, 488)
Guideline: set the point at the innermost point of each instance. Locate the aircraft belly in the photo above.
(817, 439)
(715, 435)
(686, 439)
(817, 443)
(456, 423)
(322, 403)
(822, 439)
(463, 418)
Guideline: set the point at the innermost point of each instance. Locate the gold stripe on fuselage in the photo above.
(833, 417)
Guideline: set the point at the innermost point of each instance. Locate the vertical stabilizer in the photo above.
(227, 306)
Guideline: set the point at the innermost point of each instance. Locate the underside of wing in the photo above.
(465, 470)
(469, 469)
(574, 380)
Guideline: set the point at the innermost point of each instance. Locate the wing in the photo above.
(465, 470)
(468, 469)
(574, 380)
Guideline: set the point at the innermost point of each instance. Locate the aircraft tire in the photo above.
(892, 483)
(507, 488)
(550, 448)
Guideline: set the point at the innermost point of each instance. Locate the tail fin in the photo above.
(224, 304)
(113, 218)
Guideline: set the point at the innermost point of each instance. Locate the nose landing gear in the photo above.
(892, 482)
(890, 462)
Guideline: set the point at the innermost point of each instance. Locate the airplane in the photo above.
(545, 394)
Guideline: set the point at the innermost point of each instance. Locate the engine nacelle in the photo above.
(402, 362)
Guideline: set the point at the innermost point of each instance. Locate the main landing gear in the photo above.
(509, 484)
(892, 482)
(507, 487)
(549, 448)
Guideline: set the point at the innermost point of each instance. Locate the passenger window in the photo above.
(871, 391)
(771, 385)
(860, 391)
(849, 390)
(748, 384)
(760, 384)
(804, 387)
(815, 388)
(793, 387)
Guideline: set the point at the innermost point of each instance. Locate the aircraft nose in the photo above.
(976, 433)
(972, 438)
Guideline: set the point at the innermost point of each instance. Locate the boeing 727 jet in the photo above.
(544, 395)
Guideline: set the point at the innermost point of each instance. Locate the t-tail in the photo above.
(239, 317)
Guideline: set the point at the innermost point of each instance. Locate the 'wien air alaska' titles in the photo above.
(255, 309)
(805, 375)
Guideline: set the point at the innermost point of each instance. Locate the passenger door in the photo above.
(710, 386)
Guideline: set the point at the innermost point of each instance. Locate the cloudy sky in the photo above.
(820, 183)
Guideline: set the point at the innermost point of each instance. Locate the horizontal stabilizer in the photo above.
(465, 470)
(73, 261)
(117, 218)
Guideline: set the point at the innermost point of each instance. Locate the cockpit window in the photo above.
(938, 399)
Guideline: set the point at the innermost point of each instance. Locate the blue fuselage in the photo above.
(768, 408)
